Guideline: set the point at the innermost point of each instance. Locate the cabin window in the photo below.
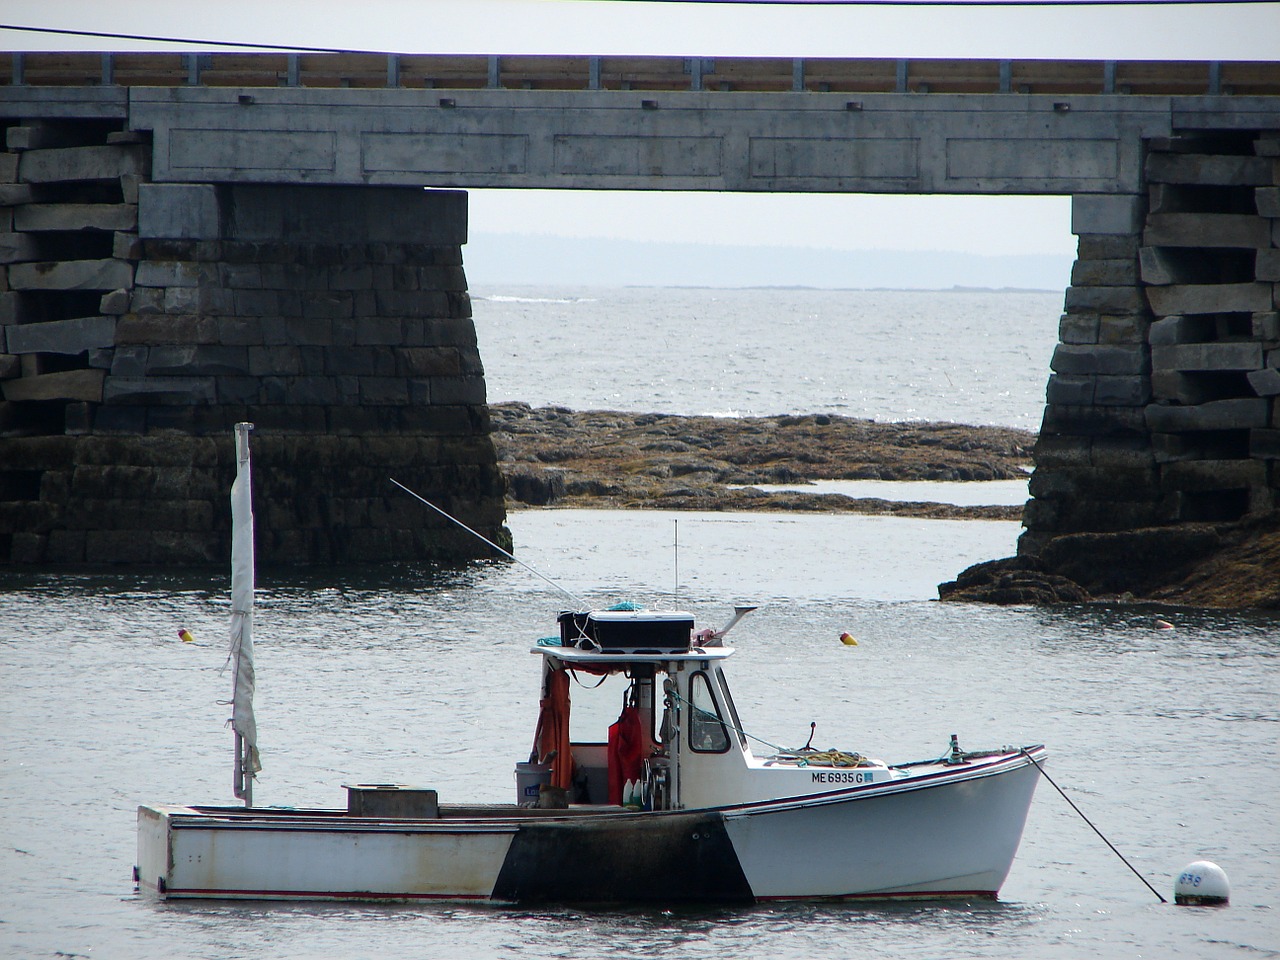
(734, 723)
(706, 728)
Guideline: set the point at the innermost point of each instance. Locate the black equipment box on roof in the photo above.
(628, 631)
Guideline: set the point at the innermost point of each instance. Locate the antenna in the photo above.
(506, 553)
(675, 594)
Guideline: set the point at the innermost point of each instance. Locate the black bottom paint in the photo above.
(641, 858)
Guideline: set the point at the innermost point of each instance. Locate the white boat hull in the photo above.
(944, 831)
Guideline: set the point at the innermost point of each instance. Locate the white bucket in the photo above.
(529, 777)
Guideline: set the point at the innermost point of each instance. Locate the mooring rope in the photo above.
(1028, 755)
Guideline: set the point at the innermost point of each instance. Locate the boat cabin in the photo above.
(677, 742)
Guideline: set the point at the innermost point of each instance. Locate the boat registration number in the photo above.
(842, 776)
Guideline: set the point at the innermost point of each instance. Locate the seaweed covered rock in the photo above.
(1013, 580)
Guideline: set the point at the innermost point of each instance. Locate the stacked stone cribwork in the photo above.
(1164, 404)
(1205, 254)
(136, 334)
(1094, 465)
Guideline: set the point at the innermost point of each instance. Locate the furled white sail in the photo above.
(242, 721)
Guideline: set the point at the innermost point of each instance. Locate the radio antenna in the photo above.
(506, 553)
(675, 594)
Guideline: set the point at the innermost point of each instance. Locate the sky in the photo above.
(991, 225)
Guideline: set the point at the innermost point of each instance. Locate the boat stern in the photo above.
(155, 863)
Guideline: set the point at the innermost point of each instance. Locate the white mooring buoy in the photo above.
(1202, 884)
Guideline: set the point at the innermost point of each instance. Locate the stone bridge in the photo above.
(192, 240)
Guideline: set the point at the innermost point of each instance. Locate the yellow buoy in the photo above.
(185, 635)
(848, 640)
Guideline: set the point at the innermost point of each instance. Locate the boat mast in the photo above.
(241, 654)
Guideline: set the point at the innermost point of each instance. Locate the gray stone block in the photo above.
(277, 361)
(1106, 299)
(151, 329)
(335, 304)
(1242, 414)
(1122, 391)
(72, 275)
(197, 359)
(180, 391)
(102, 358)
(440, 362)
(1267, 266)
(1122, 452)
(1107, 214)
(10, 365)
(64, 217)
(67, 385)
(62, 336)
(1267, 200)
(238, 389)
(1266, 327)
(240, 332)
(83, 163)
(115, 303)
(126, 246)
(1072, 391)
(1212, 230)
(187, 211)
(1265, 382)
(242, 276)
(384, 390)
(1130, 328)
(12, 194)
(1207, 357)
(318, 390)
(18, 248)
(8, 167)
(1099, 247)
(1099, 359)
(173, 273)
(1208, 170)
(1210, 298)
(375, 331)
(146, 300)
(350, 278)
(459, 390)
(1104, 273)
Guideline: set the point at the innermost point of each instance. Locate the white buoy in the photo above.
(1202, 884)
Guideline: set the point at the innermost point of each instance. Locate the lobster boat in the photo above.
(670, 804)
(673, 805)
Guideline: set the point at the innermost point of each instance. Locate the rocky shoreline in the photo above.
(552, 456)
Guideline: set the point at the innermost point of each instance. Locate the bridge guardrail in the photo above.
(728, 74)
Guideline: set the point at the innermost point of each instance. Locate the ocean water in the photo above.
(1165, 738)
(965, 357)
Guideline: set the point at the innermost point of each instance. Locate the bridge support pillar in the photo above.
(1162, 423)
(336, 319)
